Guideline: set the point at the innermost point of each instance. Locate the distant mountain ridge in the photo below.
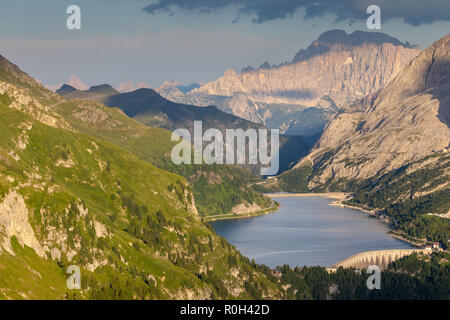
(154, 110)
(73, 81)
(92, 93)
(333, 73)
(128, 86)
(150, 108)
(343, 67)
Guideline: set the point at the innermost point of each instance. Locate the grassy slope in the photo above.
(150, 144)
(24, 276)
(217, 188)
(165, 240)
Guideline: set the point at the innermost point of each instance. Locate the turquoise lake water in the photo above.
(307, 231)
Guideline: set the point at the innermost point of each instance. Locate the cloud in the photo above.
(413, 12)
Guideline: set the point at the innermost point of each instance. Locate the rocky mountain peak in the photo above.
(9, 72)
(406, 122)
(229, 73)
(103, 89)
(339, 38)
(65, 89)
(128, 86)
(344, 67)
(76, 82)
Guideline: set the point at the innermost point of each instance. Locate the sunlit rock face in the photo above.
(405, 122)
(334, 73)
(344, 67)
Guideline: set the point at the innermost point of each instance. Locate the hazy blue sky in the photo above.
(189, 40)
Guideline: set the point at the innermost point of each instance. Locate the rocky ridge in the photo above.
(407, 121)
(334, 72)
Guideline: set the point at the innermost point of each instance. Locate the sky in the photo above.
(190, 40)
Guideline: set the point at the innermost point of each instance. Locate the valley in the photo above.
(87, 179)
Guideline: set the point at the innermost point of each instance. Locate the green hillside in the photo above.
(79, 200)
(154, 146)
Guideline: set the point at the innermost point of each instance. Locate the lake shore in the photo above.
(333, 195)
(392, 233)
(232, 216)
(339, 203)
(340, 197)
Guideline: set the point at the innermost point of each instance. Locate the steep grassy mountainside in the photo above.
(217, 188)
(151, 109)
(415, 198)
(394, 156)
(67, 198)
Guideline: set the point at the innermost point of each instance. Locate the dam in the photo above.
(380, 258)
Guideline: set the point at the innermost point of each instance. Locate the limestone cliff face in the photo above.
(338, 68)
(406, 121)
(344, 67)
(14, 222)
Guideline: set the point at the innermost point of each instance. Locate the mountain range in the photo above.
(299, 96)
(150, 108)
(73, 81)
(128, 86)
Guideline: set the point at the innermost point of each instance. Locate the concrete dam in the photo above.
(380, 258)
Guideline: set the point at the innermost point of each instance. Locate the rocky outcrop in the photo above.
(170, 91)
(14, 222)
(340, 128)
(22, 100)
(343, 67)
(407, 121)
(245, 208)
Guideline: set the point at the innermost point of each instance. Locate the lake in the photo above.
(307, 231)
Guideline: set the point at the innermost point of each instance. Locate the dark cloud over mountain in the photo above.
(413, 12)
